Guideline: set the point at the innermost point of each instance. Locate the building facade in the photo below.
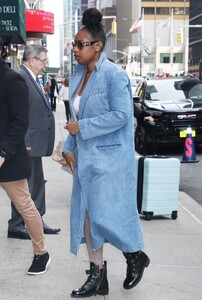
(195, 38)
(153, 48)
(72, 11)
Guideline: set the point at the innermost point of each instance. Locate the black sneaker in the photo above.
(40, 264)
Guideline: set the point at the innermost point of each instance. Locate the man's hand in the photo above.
(70, 160)
(72, 127)
(148, 119)
(2, 159)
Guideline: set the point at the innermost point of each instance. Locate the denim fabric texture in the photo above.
(104, 183)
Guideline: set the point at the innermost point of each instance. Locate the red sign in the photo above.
(39, 21)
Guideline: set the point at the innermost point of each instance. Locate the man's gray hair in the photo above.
(33, 51)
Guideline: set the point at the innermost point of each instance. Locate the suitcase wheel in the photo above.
(148, 215)
(174, 215)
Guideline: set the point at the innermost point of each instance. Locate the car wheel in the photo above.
(139, 141)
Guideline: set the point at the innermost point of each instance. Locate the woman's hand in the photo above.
(72, 127)
(70, 160)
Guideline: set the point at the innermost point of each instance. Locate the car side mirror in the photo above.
(136, 99)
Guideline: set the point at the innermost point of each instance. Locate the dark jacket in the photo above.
(14, 115)
(53, 87)
(140, 115)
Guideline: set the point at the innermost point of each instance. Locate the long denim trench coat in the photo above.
(104, 183)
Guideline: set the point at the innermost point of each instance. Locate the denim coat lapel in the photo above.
(79, 74)
(86, 93)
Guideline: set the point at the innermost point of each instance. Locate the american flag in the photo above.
(138, 23)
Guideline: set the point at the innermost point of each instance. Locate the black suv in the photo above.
(175, 104)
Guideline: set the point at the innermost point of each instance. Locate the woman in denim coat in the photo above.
(100, 152)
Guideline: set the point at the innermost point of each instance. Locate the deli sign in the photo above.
(12, 21)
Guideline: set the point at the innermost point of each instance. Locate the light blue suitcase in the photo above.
(158, 185)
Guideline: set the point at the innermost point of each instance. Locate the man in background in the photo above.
(39, 139)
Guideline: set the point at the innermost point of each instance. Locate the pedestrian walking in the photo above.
(54, 91)
(39, 139)
(100, 151)
(14, 160)
(64, 95)
(47, 91)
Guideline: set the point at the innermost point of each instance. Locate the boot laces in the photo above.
(132, 261)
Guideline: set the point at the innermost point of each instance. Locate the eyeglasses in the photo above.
(44, 61)
(80, 44)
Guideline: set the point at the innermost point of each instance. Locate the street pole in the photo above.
(140, 54)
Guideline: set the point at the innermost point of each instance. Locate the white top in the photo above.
(35, 78)
(76, 104)
(30, 71)
(64, 93)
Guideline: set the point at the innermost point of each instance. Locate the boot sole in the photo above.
(147, 262)
(98, 292)
(42, 272)
(15, 235)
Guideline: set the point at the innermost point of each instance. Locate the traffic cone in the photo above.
(189, 154)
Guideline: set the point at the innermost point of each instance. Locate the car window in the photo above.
(195, 92)
(134, 81)
(164, 91)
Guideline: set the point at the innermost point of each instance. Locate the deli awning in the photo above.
(39, 22)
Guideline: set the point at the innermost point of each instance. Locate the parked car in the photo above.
(175, 104)
(134, 81)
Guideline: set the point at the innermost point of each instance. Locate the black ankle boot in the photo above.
(103, 288)
(136, 262)
(96, 283)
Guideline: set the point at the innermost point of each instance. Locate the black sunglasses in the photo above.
(80, 44)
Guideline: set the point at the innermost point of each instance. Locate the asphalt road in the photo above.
(191, 177)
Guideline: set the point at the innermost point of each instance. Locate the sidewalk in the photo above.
(174, 247)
